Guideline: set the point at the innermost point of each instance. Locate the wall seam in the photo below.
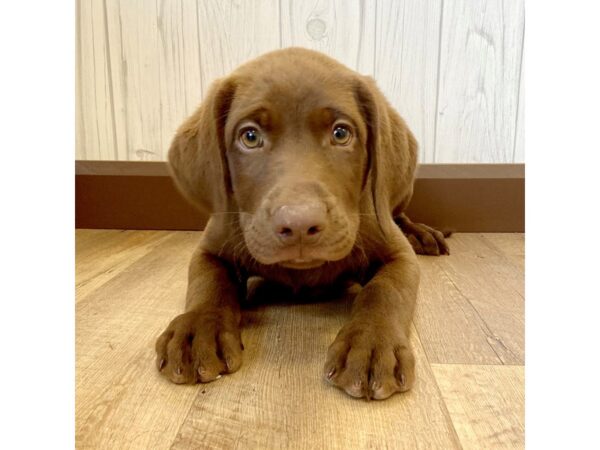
(439, 76)
(110, 81)
(79, 99)
(517, 116)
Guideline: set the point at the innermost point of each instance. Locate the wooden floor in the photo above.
(468, 339)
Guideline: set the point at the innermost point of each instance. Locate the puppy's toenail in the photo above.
(161, 364)
(402, 379)
(358, 388)
(178, 371)
(331, 374)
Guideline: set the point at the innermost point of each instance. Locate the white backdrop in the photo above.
(452, 68)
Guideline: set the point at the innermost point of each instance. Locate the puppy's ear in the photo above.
(392, 154)
(197, 155)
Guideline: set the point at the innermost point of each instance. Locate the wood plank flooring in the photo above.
(467, 337)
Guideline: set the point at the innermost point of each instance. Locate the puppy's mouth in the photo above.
(301, 263)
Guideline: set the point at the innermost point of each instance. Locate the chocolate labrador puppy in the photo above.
(306, 170)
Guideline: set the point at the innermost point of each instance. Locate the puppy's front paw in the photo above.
(369, 362)
(199, 346)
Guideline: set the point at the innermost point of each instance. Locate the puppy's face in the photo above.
(297, 158)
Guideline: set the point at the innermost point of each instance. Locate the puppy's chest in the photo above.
(297, 279)
(329, 274)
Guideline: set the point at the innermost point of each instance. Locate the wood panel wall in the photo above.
(452, 68)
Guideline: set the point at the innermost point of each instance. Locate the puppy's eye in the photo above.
(251, 138)
(341, 135)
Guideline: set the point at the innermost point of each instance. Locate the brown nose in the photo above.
(300, 223)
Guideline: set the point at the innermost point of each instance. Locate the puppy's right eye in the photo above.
(341, 135)
(251, 138)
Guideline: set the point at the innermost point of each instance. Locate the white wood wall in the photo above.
(452, 68)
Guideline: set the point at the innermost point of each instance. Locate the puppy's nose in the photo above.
(300, 223)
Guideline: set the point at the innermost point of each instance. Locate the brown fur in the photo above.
(294, 97)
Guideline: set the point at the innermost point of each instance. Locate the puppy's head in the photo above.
(289, 142)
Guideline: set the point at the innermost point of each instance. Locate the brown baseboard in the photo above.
(456, 197)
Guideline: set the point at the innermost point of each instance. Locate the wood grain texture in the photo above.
(95, 126)
(139, 75)
(180, 74)
(486, 403)
(496, 288)
(481, 301)
(102, 254)
(278, 398)
(121, 402)
(408, 36)
(340, 29)
(452, 69)
(480, 60)
(512, 246)
(116, 60)
(155, 71)
(450, 328)
(233, 32)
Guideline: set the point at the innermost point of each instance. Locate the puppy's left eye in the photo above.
(341, 135)
(251, 138)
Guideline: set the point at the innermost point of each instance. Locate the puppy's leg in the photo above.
(371, 356)
(204, 342)
(424, 239)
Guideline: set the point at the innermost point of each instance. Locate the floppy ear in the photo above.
(197, 155)
(392, 154)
